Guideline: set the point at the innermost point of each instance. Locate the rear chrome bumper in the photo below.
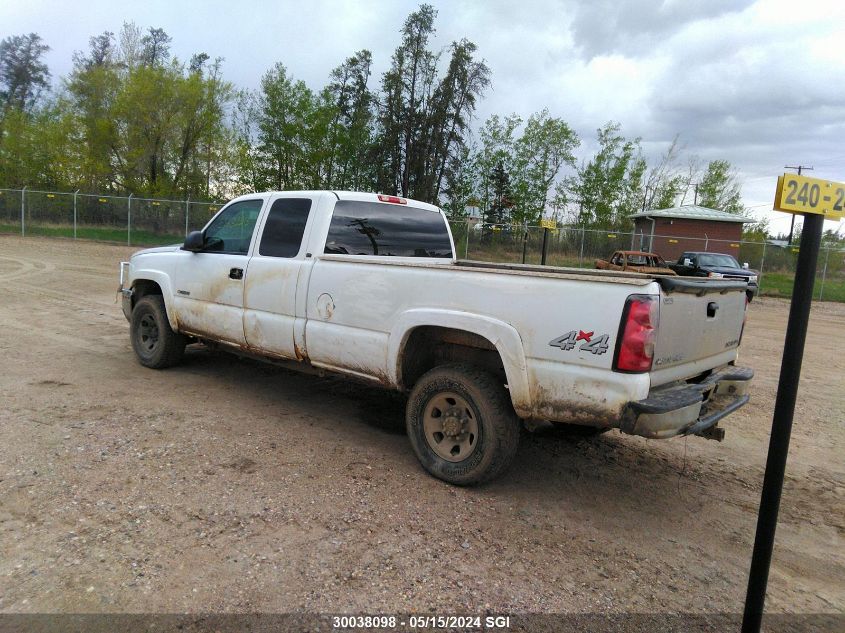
(689, 409)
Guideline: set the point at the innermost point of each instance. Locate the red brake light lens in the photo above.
(635, 345)
(392, 199)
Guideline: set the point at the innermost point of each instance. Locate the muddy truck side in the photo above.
(368, 286)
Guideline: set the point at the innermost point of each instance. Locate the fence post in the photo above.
(581, 256)
(524, 243)
(824, 274)
(760, 276)
(75, 194)
(545, 251)
(129, 220)
(466, 241)
(23, 220)
(187, 210)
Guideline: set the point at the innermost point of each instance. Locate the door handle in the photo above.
(236, 273)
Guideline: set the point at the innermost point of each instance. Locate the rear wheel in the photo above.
(462, 425)
(155, 344)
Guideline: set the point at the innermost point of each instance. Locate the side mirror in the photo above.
(194, 242)
(745, 265)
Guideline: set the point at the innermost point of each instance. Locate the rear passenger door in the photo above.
(273, 275)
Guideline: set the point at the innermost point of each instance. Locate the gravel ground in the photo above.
(228, 485)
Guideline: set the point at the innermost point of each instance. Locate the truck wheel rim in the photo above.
(450, 425)
(148, 332)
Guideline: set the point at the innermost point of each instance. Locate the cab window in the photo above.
(284, 228)
(374, 228)
(231, 231)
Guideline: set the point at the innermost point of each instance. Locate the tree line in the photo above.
(131, 117)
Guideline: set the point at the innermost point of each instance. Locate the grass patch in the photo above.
(97, 233)
(780, 285)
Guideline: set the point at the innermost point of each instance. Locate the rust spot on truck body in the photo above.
(551, 406)
(300, 353)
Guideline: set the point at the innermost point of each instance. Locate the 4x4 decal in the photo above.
(568, 341)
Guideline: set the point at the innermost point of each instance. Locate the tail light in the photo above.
(635, 343)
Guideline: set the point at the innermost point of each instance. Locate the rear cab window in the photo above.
(387, 230)
(285, 227)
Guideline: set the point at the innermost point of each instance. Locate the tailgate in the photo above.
(700, 325)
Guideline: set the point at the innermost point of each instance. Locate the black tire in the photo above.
(155, 344)
(486, 407)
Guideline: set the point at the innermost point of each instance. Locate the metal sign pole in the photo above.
(790, 372)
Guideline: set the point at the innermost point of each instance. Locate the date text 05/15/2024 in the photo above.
(388, 622)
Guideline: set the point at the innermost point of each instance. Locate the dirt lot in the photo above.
(228, 485)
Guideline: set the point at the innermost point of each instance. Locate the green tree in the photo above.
(292, 128)
(37, 148)
(406, 87)
(349, 100)
(423, 121)
(502, 200)
(23, 75)
(448, 117)
(460, 188)
(545, 146)
(608, 188)
(498, 138)
(662, 183)
(719, 188)
(146, 122)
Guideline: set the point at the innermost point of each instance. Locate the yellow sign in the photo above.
(548, 223)
(801, 194)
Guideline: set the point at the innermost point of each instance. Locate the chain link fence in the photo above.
(128, 219)
(581, 247)
(154, 221)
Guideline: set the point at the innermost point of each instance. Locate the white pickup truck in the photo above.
(368, 285)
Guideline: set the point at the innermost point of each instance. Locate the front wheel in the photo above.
(462, 425)
(156, 345)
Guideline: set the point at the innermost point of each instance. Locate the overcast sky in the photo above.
(761, 84)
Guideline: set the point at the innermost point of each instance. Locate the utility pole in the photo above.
(800, 168)
(694, 185)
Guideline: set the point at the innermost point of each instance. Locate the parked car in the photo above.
(717, 266)
(635, 262)
(368, 286)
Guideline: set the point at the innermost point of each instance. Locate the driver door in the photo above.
(209, 285)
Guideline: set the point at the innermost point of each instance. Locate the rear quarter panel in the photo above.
(370, 300)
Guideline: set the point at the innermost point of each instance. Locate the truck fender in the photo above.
(163, 281)
(501, 335)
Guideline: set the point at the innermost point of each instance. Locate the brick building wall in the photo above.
(673, 236)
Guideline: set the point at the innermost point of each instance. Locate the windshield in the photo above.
(712, 259)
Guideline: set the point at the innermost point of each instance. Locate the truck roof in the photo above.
(347, 195)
